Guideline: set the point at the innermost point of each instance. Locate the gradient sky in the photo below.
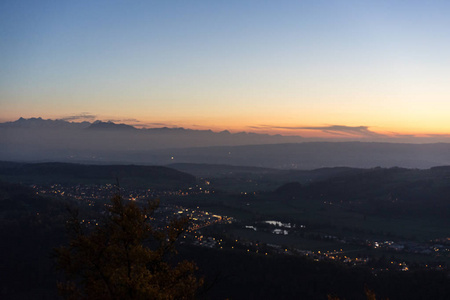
(357, 68)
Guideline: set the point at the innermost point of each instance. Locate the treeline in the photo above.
(381, 191)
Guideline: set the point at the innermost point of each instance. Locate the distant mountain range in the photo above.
(39, 123)
(39, 140)
(156, 137)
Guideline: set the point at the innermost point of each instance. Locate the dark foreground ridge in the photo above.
(77, 173)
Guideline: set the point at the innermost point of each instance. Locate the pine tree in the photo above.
(125, 258)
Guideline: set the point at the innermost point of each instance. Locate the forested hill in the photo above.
(393, 189)
(30, 227)
(65, 173)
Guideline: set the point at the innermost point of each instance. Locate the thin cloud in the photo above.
(438, 135)
(345, 130)
(340, 130)
(126, 121)
(398, 135)
(425, 135)
(143, 125)
(157, 124)
(82, 116)
(132, 120)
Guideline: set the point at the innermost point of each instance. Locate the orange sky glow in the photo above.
(370, 70)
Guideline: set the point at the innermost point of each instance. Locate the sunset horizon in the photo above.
(309, 133)
(311, 68)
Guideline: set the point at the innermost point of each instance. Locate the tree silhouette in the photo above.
(370, 295)
(125, 258)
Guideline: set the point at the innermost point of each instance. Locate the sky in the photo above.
(309, 68)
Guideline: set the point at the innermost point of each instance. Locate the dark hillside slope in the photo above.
(253, 276)
(30, 227)
(65, 173)
(233, 178)
(396, 190)
(217, 171)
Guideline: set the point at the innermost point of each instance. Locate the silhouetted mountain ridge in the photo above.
(35, 123)
(39, 123)
(99, 125)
